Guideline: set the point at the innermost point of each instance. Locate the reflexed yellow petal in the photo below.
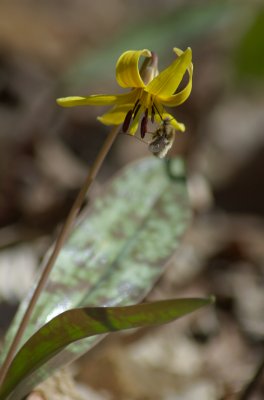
(97, 99)
(116, 115)
(127, 71)
(166, 83)
(178, 51)
(177, 125)
(180, 97)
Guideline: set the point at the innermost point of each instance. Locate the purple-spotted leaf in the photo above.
(117, 251)
(79, 323)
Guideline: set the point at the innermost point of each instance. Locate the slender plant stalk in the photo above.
(250, 388)
(57, 247)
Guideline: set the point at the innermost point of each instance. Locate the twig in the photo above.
(251, 386)
(57, 247)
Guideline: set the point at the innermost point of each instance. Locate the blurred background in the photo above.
(51, 49)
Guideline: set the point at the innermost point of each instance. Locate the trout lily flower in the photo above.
(150, 91)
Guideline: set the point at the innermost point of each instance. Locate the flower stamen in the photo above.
(136, 110)
(144, 125)
(149, 90)
(156, 108)
(127, 120)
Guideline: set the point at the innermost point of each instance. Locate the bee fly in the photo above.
(162, 139)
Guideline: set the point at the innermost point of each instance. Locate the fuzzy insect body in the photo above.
(162, 139)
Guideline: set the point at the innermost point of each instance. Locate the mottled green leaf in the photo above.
(118, 249)
(76, 324)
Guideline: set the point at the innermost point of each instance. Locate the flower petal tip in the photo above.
(60, 101)
(182, 128)
(64, 102)
(179, 126)
(189, 52)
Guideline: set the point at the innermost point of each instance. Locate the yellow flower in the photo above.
(151, 91)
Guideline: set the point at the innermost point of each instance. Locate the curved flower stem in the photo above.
(57, 247)
(250, 388)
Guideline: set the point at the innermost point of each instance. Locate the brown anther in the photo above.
(127, 120)
(144, 125)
